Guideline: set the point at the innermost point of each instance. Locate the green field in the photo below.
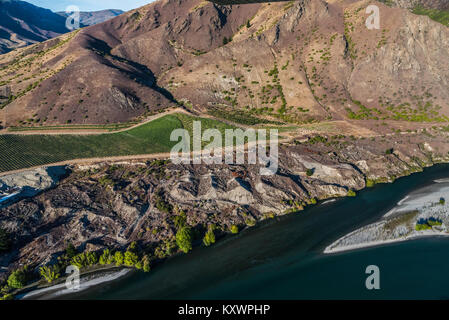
(440, 16)
(25, 151)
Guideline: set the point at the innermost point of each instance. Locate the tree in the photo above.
(85, 259)
(442, 201)
(310, 172)
(119, 258)
(234, 229)
(146, 263)
(130, 259)
(5, 241)
(351, 193)
(17, 279)
(70, 251)
(106, 257)
(248, 24)
(184, 238)
(50, 273)
(209, 238)
(225, 41)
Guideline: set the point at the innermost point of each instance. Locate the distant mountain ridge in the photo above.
(94, 17)
(22, 24)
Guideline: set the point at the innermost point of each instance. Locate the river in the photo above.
(282, 258)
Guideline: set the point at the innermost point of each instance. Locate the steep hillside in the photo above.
(301, 61)
(22, 24)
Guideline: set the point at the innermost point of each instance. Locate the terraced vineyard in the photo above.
(24, 151)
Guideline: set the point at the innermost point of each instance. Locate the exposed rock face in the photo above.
(301, 61)
(113, 205)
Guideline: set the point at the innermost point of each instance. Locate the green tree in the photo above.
(17, 279)
(146, 263)
(106, 257)
(85, 259)
(119, 258)
(130, 259)
(310, 172)
(184, 238)
(225, 41)
(50, 273)
(234, 229)
(351, 193)
(5, 241)
(209, 238)
(71, 251)
(248, 24)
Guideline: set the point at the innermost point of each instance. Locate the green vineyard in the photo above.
(25, 151)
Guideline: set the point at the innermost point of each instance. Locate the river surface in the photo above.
(282, 258)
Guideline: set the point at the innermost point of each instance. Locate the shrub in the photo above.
(131, 258)
(85, 259)
(370, 183)
(106, 257)
(146, 263)
(234, 229)
(119, 258)
(310, 172)
(70, 251)
(49, 273)
(209, 238)
(184, 238)
(17, 279)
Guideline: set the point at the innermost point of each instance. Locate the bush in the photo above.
(130, 259)
(17, 279)
(234, 229)
(370, 183)
(71, 251)
(106, 257)
(119, 258)
(209, 238)
(85, 259)
(184, 238)
(50, 273)
(146, 263)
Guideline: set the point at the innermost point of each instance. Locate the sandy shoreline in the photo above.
(86, 282)
(399, 223)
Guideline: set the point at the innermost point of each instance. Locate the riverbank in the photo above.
(422, 213)
(283, 258)
(86, 281)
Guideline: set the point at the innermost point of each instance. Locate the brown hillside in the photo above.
(296, 61)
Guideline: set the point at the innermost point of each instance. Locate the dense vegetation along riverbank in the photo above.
(160, 208)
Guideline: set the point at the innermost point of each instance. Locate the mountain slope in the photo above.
(95, 17)
(22, 23)
(302, 61)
